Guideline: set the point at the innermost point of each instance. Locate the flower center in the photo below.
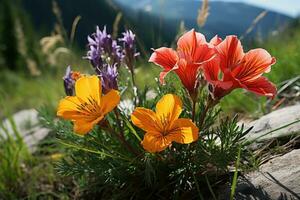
(164, 124)
(89, 107)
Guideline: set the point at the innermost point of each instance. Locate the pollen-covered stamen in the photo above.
(165, 125)
(90, 107)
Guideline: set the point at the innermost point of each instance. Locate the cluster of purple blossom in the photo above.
(106, 56)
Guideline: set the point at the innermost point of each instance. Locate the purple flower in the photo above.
(128, 39)
(69, 82)
(103, 50)
(109, 76)
(116, 53)
(129, 48)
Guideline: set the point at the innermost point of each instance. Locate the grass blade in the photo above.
(235, 176)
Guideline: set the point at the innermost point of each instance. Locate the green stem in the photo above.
(118, 123)
(121, 139)
(193, 97)
(235, 176)
(203, 116)
(90, 150)
(193, 110)
(209, 104)
(134, 88)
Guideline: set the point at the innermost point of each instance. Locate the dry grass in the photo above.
(203, 13)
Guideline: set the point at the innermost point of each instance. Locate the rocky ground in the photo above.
(278, 176)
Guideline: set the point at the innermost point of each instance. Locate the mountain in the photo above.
(225, 17)
(155, 22)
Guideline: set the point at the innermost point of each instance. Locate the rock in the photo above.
(278, 179)
(26, 124)
(273, 121)
(24, 120)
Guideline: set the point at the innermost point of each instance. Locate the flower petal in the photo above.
(215, 40)
(211, 70)
(169, 108)
(155, 142)
(83, 126)
(254, 64)
(144, 119)
(187, 43)
(262, 86)
(185, 131)
(68, 107)
(164, 57)
(230, 52)
(88, 87)
(109, 101)
(187, 72)
(200, 39)
(203, 54)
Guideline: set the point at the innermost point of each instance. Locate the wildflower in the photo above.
(88, 107)
(109, 76)
(69, 80)
(164, 127)
(192, 52)
(129, 48)
(103, 49)
(239, 69)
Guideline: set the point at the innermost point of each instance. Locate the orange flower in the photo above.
(163, 127)
(88, 107)
(192, 52)
(75, 75)
(239, 69)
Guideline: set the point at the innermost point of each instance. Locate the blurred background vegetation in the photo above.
(38, 39)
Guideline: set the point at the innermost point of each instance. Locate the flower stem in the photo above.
(203, 116)
(193, 97)
(193, 110)
(118, 122)
(107, 126)
(134, 88)
(209, 104)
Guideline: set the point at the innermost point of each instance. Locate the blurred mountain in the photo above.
(155, 21)
(225, 17)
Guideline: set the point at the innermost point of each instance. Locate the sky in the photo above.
(288, 7)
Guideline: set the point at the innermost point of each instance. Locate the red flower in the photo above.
(233, 68)
(192, 52)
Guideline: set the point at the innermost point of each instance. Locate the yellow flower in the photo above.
(88, 107)
(163, 127)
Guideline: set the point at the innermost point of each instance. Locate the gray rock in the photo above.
(273, 121)
(25, 124)
(278, 179)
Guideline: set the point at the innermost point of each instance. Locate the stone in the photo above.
(263, 126)
(26, 124)
(278, 179)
